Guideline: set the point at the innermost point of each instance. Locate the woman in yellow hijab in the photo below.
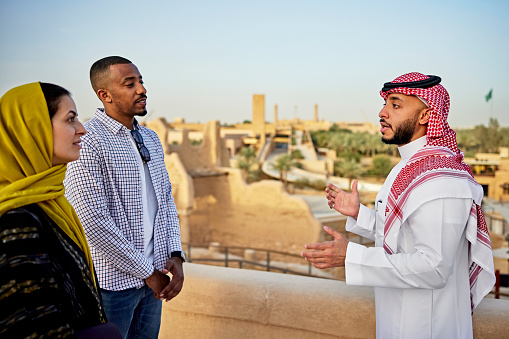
(47, 281)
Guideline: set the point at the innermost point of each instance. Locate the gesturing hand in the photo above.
(327, 254)
(173, 266)
(345, 203)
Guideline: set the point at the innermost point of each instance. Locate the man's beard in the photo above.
(142, 114)
(130, 111)
(403, 134)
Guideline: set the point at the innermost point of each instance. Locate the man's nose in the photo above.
(383, 112)
(141, 89)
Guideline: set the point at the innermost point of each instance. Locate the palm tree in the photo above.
(297, 154)
(466, 140)
(493, 138)
(363, 146)
(246, 159)
(284, 164)
(372, 143)
(504, 133)
(355, 143)
(381, 165)
(349, 168)
(320, 138)
(337, 142)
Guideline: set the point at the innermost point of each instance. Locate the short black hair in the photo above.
(101, 68)
(53, 93)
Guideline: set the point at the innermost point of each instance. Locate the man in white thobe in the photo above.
(432, 261)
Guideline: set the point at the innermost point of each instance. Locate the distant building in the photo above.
(214, 202)
(492, 172)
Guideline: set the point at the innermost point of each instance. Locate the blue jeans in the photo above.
(136, 312)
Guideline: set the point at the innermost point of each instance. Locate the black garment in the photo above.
(46, 287)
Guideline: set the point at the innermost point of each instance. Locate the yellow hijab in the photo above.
(26, 172)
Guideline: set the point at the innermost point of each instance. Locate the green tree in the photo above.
(297, 154)
(338, 142)
(493, 137)
(363, 143)
(482, 139)
(284, 164)
(355, 143)
(504, 136)
(381, 165)
(373, 144)
(349, 155)
(466, 140)
(348, 168)
(246, 158)
(320, 138)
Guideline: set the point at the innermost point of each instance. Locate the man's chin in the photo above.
(142, 114)
(388, 141)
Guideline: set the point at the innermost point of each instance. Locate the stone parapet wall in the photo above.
(219, 302)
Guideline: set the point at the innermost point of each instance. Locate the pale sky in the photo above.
(203, 60)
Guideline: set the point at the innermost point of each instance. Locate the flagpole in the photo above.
(489, 97)
(492, 106)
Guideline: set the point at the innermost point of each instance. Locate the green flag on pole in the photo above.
(488, 96)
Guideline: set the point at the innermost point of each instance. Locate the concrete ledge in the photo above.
(219, 302)
(491, 319)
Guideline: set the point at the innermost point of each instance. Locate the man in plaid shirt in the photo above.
(122, 194)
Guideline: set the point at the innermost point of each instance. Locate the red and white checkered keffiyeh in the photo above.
(438, 133)
(440, 158)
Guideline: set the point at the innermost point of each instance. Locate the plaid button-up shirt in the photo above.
(104, 186)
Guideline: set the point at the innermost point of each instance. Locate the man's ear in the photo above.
(104, 95)
(424, 116)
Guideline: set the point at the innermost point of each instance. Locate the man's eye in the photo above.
(129, 84)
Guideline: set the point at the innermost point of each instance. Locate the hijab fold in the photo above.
(26, 172)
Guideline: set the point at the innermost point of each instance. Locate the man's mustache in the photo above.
(385, 122)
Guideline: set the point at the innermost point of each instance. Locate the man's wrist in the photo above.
(150, 276)
(179, 254)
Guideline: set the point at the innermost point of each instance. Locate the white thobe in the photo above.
(423, 289)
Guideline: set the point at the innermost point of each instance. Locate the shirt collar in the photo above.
(408, 150)
(111, 123)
